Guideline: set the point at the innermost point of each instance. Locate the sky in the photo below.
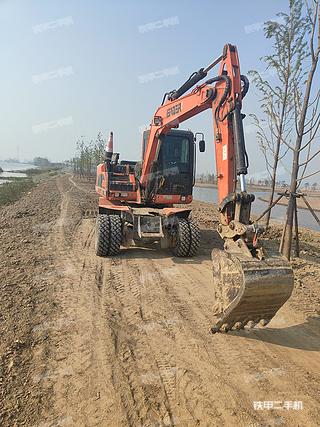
(72, 68)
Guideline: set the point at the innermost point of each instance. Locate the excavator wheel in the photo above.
(108, 235)
(248, 291)
(187, 238)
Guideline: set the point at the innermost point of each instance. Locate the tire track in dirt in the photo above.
(145, 402)
(123, 363)
(79, 372)
(193, 397)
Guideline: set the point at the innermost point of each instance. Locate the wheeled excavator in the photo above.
(137, 199)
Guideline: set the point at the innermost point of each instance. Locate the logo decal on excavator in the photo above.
(174, 110)
(224, 152)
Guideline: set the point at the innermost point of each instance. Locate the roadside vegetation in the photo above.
(289, 119)
(11, 191)
(88, 155)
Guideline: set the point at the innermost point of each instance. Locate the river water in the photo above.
(8, 169)
(305, 219)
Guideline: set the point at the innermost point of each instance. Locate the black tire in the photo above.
(187, 238)
(116, 234)
(195, 238)
(108, 235)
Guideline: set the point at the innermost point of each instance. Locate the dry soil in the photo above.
(125, 341)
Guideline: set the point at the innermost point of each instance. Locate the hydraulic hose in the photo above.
(192, 80)
(226, 92)
(246, 85)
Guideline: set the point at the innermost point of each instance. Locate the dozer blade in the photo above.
(89, 213)
(247, 290)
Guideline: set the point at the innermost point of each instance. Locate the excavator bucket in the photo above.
(248, 291)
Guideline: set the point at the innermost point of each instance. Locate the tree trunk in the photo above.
(296, 226)
(273, 182)
(287, 237)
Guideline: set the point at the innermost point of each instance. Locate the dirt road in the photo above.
(124, 341)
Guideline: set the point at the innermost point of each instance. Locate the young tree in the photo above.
(99, 148)
(89, 155)
(284, 65)
(307, 122)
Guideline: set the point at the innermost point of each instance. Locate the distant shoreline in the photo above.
(252, 187)
(315, 203)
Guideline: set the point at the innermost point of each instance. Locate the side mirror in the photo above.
(202, 143)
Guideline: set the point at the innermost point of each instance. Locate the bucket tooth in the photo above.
(214, 330)
(224, 327)
(251, 324)
(237, 326)
(263, 322)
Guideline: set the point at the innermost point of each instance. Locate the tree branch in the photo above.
(308, 176)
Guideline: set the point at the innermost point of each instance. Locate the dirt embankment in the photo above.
(124, 341)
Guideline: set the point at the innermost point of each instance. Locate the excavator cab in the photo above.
(173, 170)
(176, 167)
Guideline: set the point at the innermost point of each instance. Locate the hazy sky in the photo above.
(76, 67)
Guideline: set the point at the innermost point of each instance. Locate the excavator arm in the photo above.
(251, 282)
(223, 95)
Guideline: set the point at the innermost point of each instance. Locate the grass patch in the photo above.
(12, 178)
(39, 171)
(11, 191)
(35, 171)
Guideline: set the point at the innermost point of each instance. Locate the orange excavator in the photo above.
(136, 203)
